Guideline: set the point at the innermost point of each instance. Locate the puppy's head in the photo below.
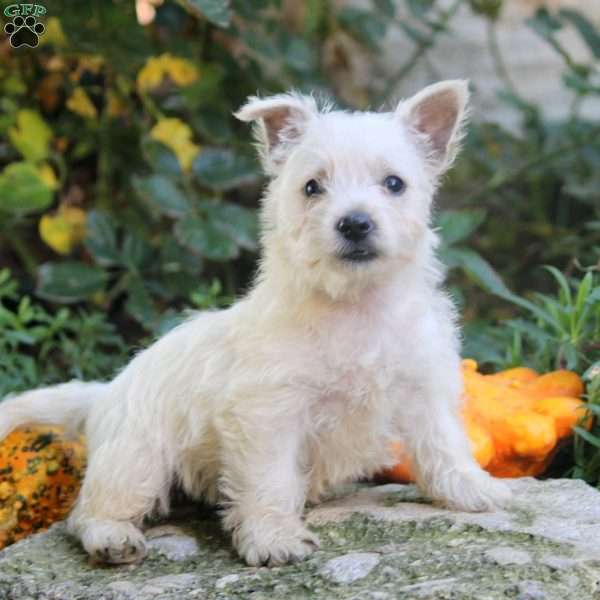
(350, 195)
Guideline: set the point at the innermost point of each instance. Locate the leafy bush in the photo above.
(560, 331)
(587, 442)
(126, 179)
(540, 188)
(37, 347)
(129, 192)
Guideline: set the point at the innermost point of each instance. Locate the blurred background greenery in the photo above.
(128, 192)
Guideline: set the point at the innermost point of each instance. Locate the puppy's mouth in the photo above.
(358, 254)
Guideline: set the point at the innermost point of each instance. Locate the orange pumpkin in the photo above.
(40, 476)
(514, 419)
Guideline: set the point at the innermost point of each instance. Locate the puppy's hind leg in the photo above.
(124, 483)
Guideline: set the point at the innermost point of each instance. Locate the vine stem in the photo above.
(419, 51)
(103, 164)
(496, 182)
(20, 247)
(499, 63)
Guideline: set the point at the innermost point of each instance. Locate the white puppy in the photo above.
(345, 343)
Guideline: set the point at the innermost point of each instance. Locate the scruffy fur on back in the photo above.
(344, 343)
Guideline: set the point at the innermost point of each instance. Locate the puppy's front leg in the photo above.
(263, 486)
(440, 452)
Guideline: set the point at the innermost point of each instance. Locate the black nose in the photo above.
(355, 226)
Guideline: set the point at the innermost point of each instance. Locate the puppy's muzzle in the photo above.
(356, 229)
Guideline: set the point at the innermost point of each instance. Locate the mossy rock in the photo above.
(379, 543)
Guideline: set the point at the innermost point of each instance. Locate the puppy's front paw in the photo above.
(265, 542)
(472, 491)
(113, 542)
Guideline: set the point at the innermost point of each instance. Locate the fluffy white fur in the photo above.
(303, 383)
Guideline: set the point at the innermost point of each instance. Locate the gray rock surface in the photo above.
(377, 543)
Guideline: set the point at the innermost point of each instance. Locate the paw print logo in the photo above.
(24, 31)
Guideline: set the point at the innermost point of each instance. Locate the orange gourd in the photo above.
(515, 419)
(40, 475)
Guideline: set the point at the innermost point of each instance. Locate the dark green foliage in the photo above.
(38, 347)
(133, 125)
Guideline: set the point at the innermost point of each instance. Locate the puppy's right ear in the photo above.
(280, 123)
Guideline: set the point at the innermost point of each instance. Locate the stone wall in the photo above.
(534, 66)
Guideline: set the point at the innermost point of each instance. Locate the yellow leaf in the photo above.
(48, 176)
(91, 62)
(80, 103)
(180, 70)
(87, 63)
(31, 135)
(64, 230)
(115, 105)
(151, 74)
(54, 33)
(175, 134)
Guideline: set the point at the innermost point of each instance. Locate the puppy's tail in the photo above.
(67, 405)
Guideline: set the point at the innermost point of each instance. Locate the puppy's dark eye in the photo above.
(394, 184)
(312, 188)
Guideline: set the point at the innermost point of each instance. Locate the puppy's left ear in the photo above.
(437, 115)
(280, 123)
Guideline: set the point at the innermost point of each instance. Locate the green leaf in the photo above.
(261, 44)
(577, 80)
(539, 336)
(218, 247)
(587, 436)
(216, 11)
(562, 282)
(316, 14)
(223, 170)
(477, 268)
(419, 8)
(238, 223)
(22, 190)
(160, 158)
(31, 135)
(388, 9)
(594, 408)
(416, 35)
(299, 54)
(109, 29)
(189, 233)
(206, 239)
(545, 25)
(583, 293)
(163, 194)
(592, 372)
(206, 93)
(214, 126)
(101, 238)
(586, 29)
(364, 25)
(69, 281)
(136, 252)
(480, 345)
(457, 225)
(139, 303)
(540, 313)
(175, 259)
(569, 354)
(488, 8)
